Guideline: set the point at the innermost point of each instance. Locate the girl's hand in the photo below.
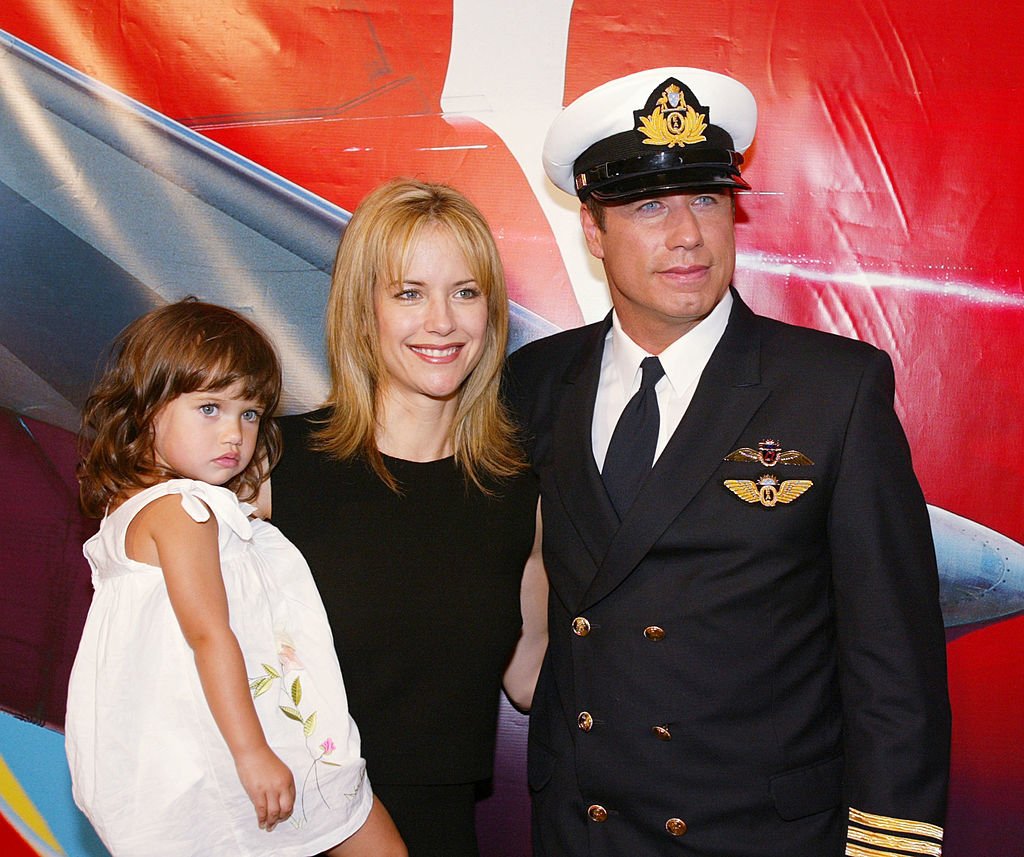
(269, 784)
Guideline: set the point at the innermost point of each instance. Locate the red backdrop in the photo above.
(886, 201)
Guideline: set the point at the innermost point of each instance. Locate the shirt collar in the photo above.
(683, 360)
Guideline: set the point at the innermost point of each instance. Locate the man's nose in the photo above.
(683, 230)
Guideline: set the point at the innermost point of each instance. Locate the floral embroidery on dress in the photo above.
(258, 685)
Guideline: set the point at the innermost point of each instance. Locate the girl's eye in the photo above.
(208, 410)
(251, 415)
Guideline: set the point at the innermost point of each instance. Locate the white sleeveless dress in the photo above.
(148, 765)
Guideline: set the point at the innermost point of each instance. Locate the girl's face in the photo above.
(432, 325)
(206, 435)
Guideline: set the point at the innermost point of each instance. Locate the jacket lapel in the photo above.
(579, 482)
(727, 396)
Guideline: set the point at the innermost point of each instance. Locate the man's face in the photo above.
(669, 260)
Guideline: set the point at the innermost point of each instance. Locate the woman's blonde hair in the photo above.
(374, 251)
(179, 348)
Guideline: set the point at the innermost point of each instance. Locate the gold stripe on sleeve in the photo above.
(899, 843)
(898, 825)
(858, 851)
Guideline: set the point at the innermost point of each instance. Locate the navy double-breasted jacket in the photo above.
(737, 671)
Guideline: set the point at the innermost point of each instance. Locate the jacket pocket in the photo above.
(540, 764)
(808, 790)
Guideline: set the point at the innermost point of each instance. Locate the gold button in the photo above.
(599, 813)
(580, 626)
(585, 721)
(662, 733)
(654, 633)
(675, 826)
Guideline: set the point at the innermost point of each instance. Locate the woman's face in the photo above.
(431, 325)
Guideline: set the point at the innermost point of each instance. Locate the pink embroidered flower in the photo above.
(288, 658)
(328, 747)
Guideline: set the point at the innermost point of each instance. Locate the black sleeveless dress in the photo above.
(422, 592)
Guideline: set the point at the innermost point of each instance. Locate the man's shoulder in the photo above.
(555, 350)
(807, 344)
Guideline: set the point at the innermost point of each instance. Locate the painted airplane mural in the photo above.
(176, 204)
(146, 155)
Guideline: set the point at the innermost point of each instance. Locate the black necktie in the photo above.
(630, 453)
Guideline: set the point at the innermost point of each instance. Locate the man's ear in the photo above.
(592, 233)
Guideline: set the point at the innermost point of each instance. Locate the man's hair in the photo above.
(176, 349)
(373, 254)
(596, 210)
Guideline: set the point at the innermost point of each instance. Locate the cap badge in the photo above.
(768, 490)
(768, 454)
(672, 122)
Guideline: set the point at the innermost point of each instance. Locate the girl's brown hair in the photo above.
(180, 348)
(374, 252)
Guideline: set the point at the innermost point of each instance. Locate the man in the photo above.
(746, 652)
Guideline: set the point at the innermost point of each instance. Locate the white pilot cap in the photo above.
(654, 131)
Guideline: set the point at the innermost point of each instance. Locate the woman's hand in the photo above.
(269, 784)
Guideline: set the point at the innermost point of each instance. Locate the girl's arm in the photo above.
(521, 674)
(188, 553)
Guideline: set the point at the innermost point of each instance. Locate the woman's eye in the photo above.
(208, 410)
(468, 292)
(408, 294)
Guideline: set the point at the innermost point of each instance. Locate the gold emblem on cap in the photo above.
(768, 490)
(673, 122)
(768, 454)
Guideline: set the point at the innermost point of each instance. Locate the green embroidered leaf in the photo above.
(296, 691)
(309, 725)
(271, 670)
(291, 712)
(262, 686)
(332, 764)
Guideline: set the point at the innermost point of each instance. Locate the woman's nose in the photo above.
(440, 319)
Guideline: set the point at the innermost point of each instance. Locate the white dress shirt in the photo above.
(684, 361)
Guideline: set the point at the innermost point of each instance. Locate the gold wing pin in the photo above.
(768, 490)
(769, 453)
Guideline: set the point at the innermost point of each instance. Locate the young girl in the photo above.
(206, 710)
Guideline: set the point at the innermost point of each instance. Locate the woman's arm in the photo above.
(188, 554)
(521, 674)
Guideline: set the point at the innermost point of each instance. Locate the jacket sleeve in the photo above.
(892, 661)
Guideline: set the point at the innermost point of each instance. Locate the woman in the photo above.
(412, 503)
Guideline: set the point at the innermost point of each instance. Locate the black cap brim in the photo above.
(661, 172)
